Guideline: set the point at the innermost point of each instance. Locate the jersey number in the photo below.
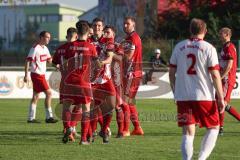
(78, 58)
(191, 69)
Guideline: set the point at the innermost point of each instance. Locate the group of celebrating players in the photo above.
(99, 75)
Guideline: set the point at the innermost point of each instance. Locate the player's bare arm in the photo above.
(26, 68)
(129, 54)
(218, 86)
(108, 60)
(49, 60)
(172, 78)
(227, 68)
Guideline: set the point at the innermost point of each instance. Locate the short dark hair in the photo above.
(42, 34)
(110, 27)
(83, 28)
(131, 18)
(197, 26)
(98, 19)
(81, 21)
(71, 31)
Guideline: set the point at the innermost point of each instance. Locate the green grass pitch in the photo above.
(22, 141)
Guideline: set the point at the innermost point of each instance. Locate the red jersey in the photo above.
(97, 42)
(76, 67)
(134, 66)
(229, 53)
(104, 73)
(58, 59)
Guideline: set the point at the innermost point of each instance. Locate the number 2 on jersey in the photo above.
(191, 69)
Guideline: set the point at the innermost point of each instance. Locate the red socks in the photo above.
(100, 117)
(221, 118)
(85, 126)
(76, 116)
(66, 117)
(94, 119)
(106, 121)
(134, 116)
(120, 120)
(231, 110)
(126, 113)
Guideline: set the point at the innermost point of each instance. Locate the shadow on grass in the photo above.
(30, 137)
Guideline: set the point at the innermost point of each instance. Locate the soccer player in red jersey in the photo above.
(228, 68)
(57, 62)
(37, 57)
(103, 87)
(117, 77)
(194, 79)
(76, 87)
(97, 40)
(133, 75)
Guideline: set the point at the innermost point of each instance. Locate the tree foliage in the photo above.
(174, 24)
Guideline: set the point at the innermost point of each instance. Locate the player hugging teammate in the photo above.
(92, 69)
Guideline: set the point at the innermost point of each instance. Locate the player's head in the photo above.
(129, 24)
(225, 34)
(98, 26)
(198, 27)
(90, 30)
(71, 34)
(44, 37)
(109, 31)
(82, 28)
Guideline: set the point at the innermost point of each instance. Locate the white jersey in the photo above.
(193, 58)
(38, 56)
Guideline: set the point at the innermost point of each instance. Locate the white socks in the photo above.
(208, 143)
(49, 113)
(32, 112)
(187, 147)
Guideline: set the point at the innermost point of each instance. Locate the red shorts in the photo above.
(39, 82)
(227, 90)
(78, 93)
(131, 86)
(101, 91)
(203, 113)
(75, 100)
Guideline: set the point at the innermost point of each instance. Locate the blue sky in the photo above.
(82, 4)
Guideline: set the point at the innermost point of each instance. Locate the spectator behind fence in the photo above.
(156, 60)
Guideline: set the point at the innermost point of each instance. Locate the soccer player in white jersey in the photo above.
(194, 78)
(37, 57)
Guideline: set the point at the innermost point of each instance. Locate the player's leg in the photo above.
(120, 120)
(119, 110)
(135, 83)
(209, 118)
(100, 117)
(208, 143)
(188, 133)
(32, 108)
(85, 123)
(94, 119)
(186, 117)
(231, 109)
(126, 113)
(76, 116)
(107, 110)
(66, 118)
(48, 108)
